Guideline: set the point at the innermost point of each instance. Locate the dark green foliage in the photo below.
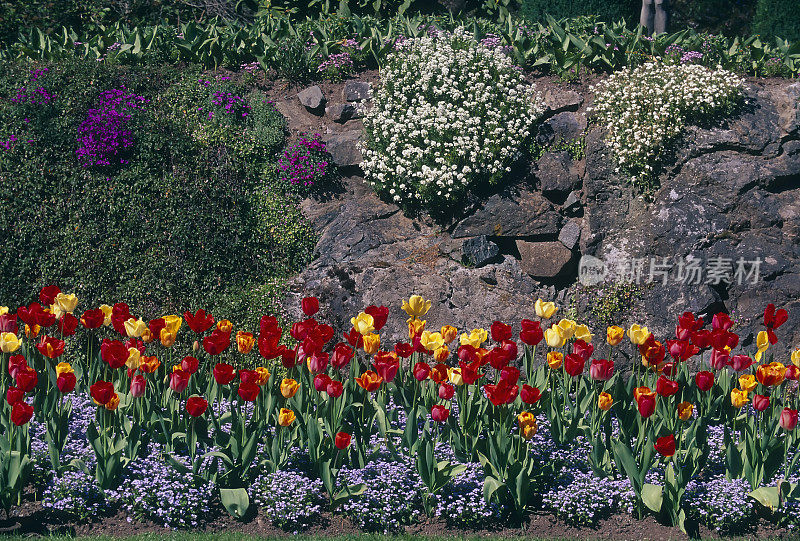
(192, 221)
(777, 18)
(605, 10)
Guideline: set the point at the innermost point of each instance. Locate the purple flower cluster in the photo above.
(461, 501)
(231, 104)
(586, 498)
(75, 494)
(391, 500)
(33, 96)
(153, 489)
(304, 163)
(720, 504)
(291, 500)
(337, 64)
(104, 137)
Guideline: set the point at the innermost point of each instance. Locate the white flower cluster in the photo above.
(450, 112)
(645, 108)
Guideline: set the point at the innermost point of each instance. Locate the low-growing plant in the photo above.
(291, 500)
(76, 495)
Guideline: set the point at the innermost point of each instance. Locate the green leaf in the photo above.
(652, 496)
(235, 500)
(346, 493)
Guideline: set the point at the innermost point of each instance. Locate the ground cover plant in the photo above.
(451, 423)
(121, 175)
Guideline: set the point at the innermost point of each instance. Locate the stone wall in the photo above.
(729, 192)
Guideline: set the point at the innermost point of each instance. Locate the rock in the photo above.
(311, 98)
(479, 251)
(554, 175)
(544, 260)
(341, 112)
(343, 147)
(570, 234)
(565, 127)
(515, 212)
(356, 91)
(562, 100)
(572, 203)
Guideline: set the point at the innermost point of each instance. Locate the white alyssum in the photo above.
(644, 108)
(450, 113)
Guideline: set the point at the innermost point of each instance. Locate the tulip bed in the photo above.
(167, 418)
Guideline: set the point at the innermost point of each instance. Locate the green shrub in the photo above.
(604, 10)
(777, 18)
(192, 219)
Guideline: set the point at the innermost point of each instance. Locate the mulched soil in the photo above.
(36, 521)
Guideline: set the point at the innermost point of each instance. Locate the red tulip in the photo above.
(14, 395)
(15, 364)
(138, 385)
(531, 333)
(179, 380)
(772, 320)
(788, 419)
(268, 326)
(688, 321)
(530, 395)
(114, 353)
(48, 294)
(66, 382)
(792, 373)
(248, 391)
(720, 358)
(404, 349)
(646, 403)
(439, 413)
(500, 331)
(300, 329)
(386, 365)
(741, 362)
(502, 393)
(379, 316)
(196, 406)
(216, 342)
(310, 306)
(21, 413)
(760, 402)
(574, 365)
(102, 391)
(224, 373)
(601, 369)
(669, 370)
(342, 440)
(321, 382)
(421, 371)
(582, 349)
(721, 321)
(469, 372)
(92, 319)
(322, 334)
(702, 338)
(288, 358)
(135, 343)
(510, 375)
(496, 358)
(318, 362)
(666, 387)
(354, 338)
(50, 347)
(156, 326)
(190, 364)
(334, 389)
(341, 356)
(446, 391)
(8, 323)
(34, 314)
(67, 325)
(199, 322)
(665, 445)
(704, 380)
(27, 378)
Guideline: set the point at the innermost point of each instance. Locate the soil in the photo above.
(36, 521)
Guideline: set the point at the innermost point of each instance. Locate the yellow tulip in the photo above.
(167, 338)
(475, 338)
(372, 343)
(286, 417)
(554, 337)
(554, 359)
(431, 340)
(363, 323)
(172, 323)
(224, 325)
(527, 424)
(455, 376)
(107, 310)
(605, 401)
(134, 358)
(449, 333)
(638, 335)
(9, 343)
(415, 327)
(582, 333)
(289, 387)
(739, 398)
(614, 335)
(796, 358)
(416, 307)
(3, 310)
(262, 375)
(135, 327)
(544, 309)
(63, 368)
(567, 327)
(245, 342)
(441, 353)
(147, 336)
(762, 343)
(65, 304)
(685, 410)
(747, 382)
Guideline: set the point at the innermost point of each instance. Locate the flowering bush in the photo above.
(644, 109)
(105, 136)
(585, 498)
(721, 504)
(304, 165)
(450, 114)
(76, 494)
(461, 502)
(290, 499)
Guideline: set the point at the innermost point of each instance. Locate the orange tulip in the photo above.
(148, 365)
(772, 374)
(685, 410)
(262, 375)
(244, 342)
(372, 342)
(369, 381)
(605, 401)
(554, 359)
(286, 417)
